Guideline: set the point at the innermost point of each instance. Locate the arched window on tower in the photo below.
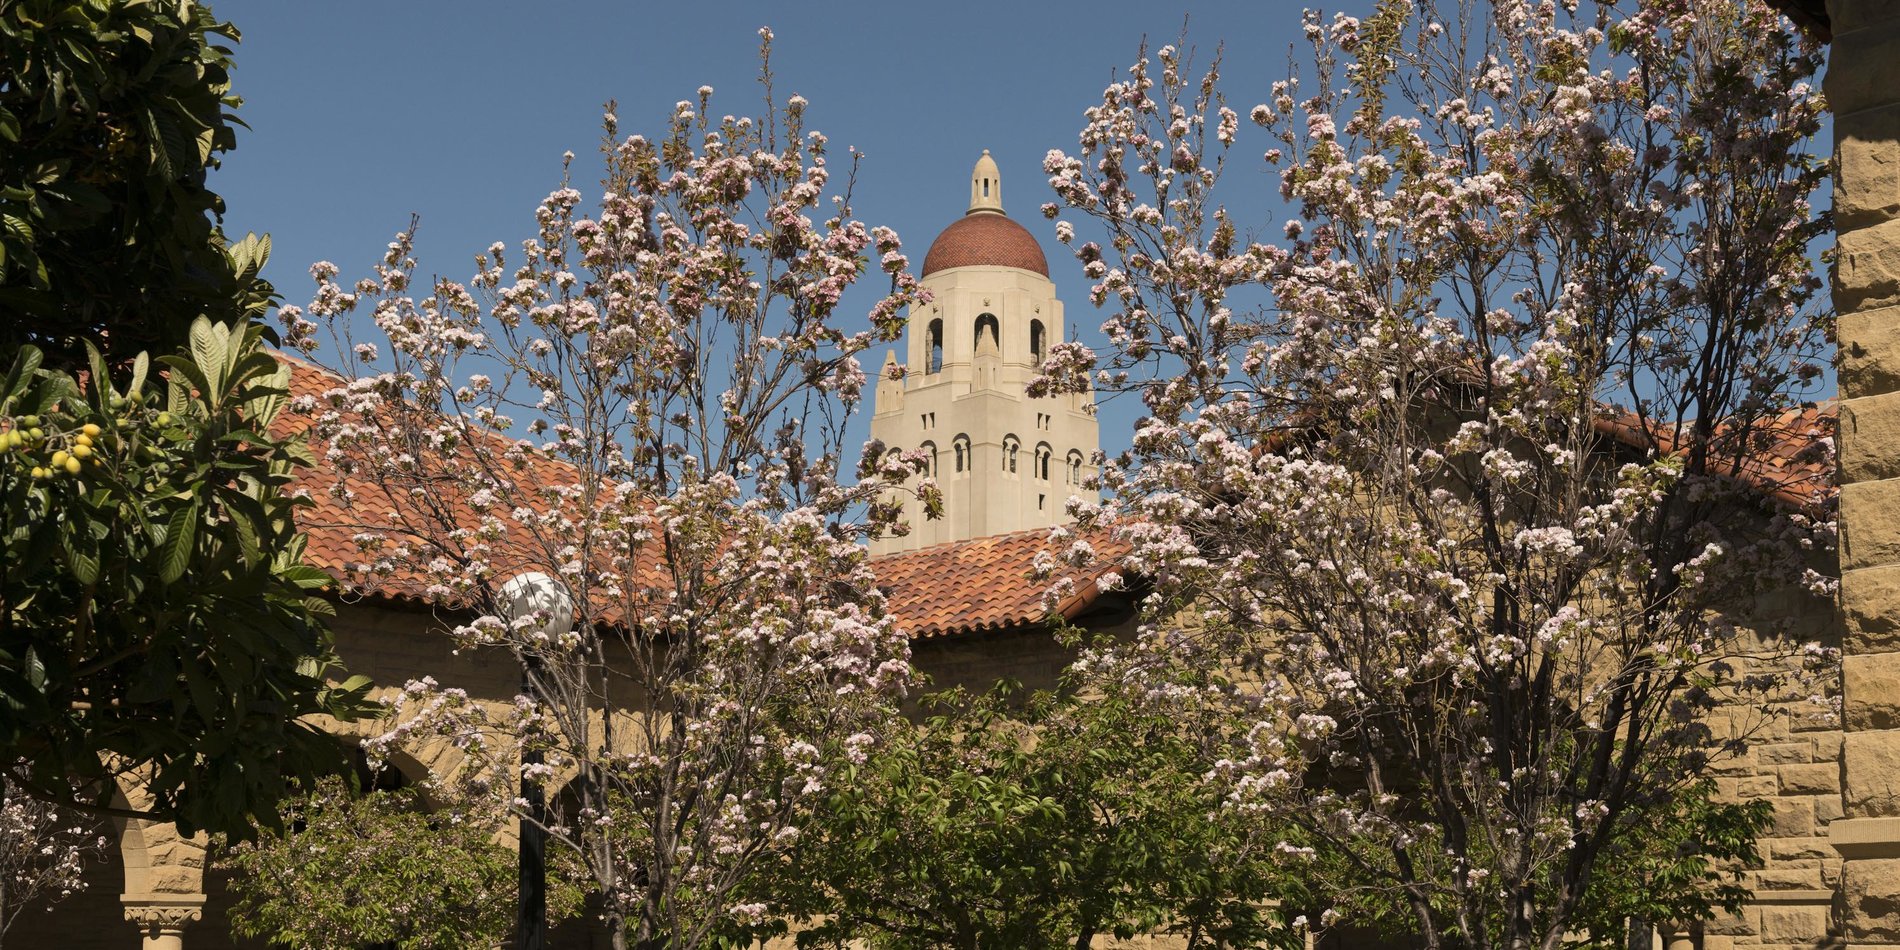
(987, 324)
(1011, 445)
(961, 446)
(933, 360)
(1075, 466)
(1043, 451)
(930, 451)
(1038, 344)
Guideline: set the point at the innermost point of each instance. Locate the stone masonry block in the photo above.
(1794, 818)
(1820, 778)
(1871, 773)
(1796, 925)
(1745, 925)
(1870, 352)
(1868, 190)
(1827, 746)
(1870, 690)
(1757, 786)
(1863, 72)
(1785, 753)
(1786, 879)
(1870, 599)
(1789, 850)
(1870, 430)
(1826, 809)
(1867, 275)
(1870, 536)
(1870, 893)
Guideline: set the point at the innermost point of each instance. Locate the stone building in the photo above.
(1008, 463)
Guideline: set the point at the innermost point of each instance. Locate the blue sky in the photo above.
(363, 113)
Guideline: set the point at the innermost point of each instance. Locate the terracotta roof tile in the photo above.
(1789, 458)
(985, 583)
(985, 239)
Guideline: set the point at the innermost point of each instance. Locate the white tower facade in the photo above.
(1005, 462)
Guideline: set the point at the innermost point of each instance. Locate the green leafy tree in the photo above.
(355, 869)
(1039, 824)
(157, 622)
(111, 113)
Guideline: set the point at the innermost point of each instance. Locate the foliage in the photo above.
(1035, 825)
(157, 623)
(43, 851)
(111, 113)
(1683, 864)
(1471, 498)
(649, 407)
(354, 868)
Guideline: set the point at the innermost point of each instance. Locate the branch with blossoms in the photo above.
(649, 406)
(1464, 474)
(44, 853)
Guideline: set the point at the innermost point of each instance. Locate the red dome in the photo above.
(985, 240)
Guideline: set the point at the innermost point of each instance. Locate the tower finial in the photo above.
(986, 186)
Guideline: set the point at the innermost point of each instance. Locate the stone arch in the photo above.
(164, 871)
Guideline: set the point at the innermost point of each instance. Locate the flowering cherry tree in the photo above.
(44, 850)
(1457, 480)
(649, 405)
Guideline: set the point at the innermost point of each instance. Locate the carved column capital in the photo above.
(163, 913)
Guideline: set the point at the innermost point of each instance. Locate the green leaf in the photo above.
(179, 537)
(20, 375)
(141, 367)
(209, 352)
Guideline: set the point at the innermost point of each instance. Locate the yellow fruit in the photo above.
(88, 430)
(35, 433)
(40, 473)
(60, 457)
(82, 439)
(82, 449)
(164, 418)
(72, 466)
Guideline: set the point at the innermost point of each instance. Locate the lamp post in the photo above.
(542, 597)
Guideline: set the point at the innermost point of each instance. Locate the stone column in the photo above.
(1863, 89)
(161, 918)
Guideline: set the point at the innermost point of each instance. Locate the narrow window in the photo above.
(1037, 345)
(933, 361)
(1042, 460)
(962, 448)
(1010, 446)
(931, 466)
(1075, 467)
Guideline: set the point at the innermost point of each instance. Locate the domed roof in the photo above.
(985, 236)
(985, 239)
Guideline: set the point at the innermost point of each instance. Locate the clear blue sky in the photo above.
(363, 113)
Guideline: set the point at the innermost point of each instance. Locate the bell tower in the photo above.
(1005, 462)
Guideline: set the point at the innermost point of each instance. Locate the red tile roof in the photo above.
(961, 587)
(985, 238)
(1789, 458)
(986, 583)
